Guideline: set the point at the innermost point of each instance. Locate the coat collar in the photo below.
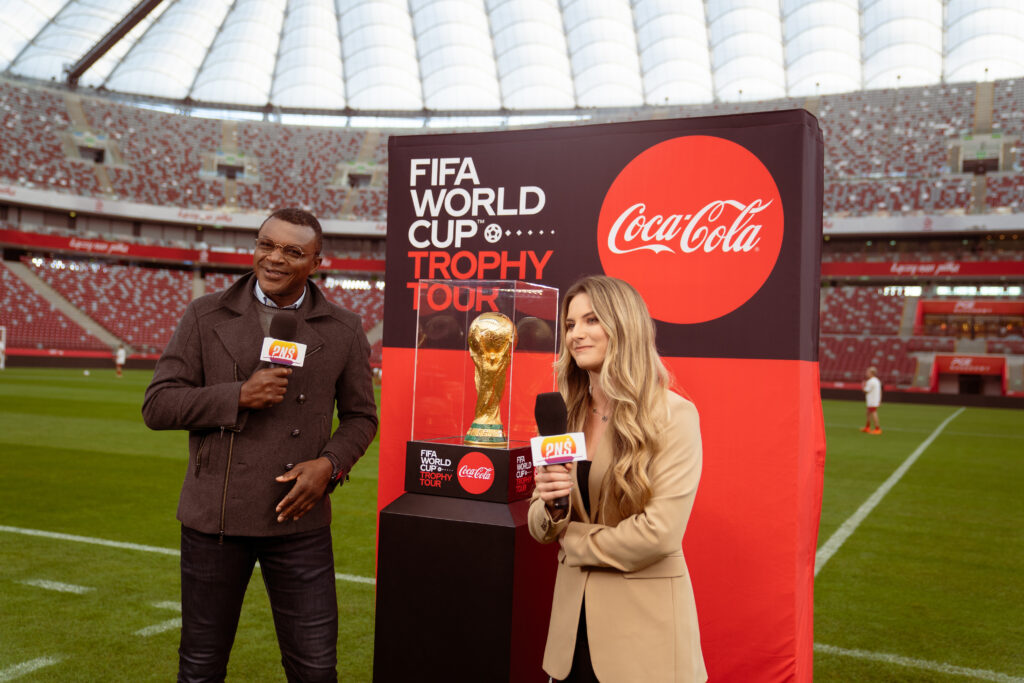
(242, 335)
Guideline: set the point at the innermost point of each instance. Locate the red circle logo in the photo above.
(695, 224)
(476, 472)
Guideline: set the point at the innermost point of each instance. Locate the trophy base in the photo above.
(486, 435)
(457, 470)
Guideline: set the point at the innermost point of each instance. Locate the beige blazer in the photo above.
(641, 617)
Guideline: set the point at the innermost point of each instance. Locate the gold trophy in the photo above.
(491, 338)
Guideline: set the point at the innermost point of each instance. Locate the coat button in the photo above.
(295, 432)
(301, 398)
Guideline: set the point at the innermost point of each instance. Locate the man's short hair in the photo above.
(297, 216)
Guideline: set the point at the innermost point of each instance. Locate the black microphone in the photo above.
(552, 417)
(283, 326)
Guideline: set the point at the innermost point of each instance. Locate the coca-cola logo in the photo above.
(695, 224)
(476, 472)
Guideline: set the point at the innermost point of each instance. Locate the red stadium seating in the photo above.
(846, 358)
(215, 282)
(885, 150)
(860, 310)
(367, 303)
(139, 305)
(1008, 107)
(34, 323)
(1007, 346)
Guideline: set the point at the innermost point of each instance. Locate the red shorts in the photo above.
(872, 409)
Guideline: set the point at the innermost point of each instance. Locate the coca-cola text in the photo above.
(656, 233)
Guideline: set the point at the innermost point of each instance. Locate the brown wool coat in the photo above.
(234, 454)
(641, 616)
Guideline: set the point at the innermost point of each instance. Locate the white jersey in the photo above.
(873, 392)
(119, 356)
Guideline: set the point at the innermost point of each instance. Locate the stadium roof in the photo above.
(507, 55)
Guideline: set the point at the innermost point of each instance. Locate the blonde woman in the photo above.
(623, 607)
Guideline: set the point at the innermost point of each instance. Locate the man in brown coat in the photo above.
(262, 457)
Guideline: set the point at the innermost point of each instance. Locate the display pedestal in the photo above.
(463, 592)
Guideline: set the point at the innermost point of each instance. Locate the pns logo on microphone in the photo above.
(558, 449)
(283, 352)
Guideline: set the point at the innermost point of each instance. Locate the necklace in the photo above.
(604, 418)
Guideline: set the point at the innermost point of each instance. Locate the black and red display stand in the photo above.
(463, 592)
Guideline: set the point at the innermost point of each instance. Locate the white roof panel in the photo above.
(411, 55)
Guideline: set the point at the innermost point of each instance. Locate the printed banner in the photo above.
(923, 269)
(970, 365)
(972, 307)
(717, 222)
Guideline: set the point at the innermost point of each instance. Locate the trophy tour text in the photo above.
(454, 210)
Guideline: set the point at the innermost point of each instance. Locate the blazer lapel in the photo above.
(602, 460)
(576, 499)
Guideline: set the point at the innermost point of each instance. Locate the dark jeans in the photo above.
(298, 572)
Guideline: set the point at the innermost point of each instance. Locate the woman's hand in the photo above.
(553, 482)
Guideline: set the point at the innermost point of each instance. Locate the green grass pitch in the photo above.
(927, 588)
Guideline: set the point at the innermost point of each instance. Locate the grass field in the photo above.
(926, 588)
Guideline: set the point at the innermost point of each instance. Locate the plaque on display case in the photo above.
(484, 350)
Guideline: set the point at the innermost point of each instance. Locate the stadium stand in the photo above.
(34, 323)
(160, 154)
(860, 327)
(215, 282)
(1006, 346)
(844, 358)
(154, 157)
(1008, 107)
(367, 303)
(31, 123)
(860, 310)
(296, 166)
(139, 305)
(931, 344)
(1005, 191)
(886, 150)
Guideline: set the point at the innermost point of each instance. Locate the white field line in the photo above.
(167, 604)
(937, 667)
(355, 579)
(87, 539)
(144, 548)
(847, 528)
(57, 586)
(168, 625)
(909, 430)
(19, 670)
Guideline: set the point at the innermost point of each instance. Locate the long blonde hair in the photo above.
(632, 376)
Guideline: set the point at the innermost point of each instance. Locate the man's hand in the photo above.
(265, 388)
(311, 479)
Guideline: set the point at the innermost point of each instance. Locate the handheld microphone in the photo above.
(554, 445)
(278, 347)
(283, 325)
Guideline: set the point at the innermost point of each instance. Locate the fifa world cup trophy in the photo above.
(491, 339)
